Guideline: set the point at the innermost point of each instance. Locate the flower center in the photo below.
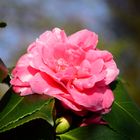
(61, 64)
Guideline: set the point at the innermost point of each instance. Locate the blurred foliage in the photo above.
(126, 20)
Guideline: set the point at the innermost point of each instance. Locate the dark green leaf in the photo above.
(92, 132)
(3, 71)
(125, 115)
(18, 110)
(37, 129)
(2, 24)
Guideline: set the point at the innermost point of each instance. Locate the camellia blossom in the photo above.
(69, 68)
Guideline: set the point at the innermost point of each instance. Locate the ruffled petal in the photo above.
(84, 38)
(112, 71)
(92, 99)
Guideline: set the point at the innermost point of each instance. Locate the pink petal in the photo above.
(93, 55)
(97, 66)
(108, 99)
(85, 83)
(59, 50)
(31, 47)
(17, 82)
(24, 60)
(69, 103)
(41, 83)
(47, 38)
(22, 90)
(36, 61)
(90, 99)
(84, 69)
(112, 71)
(60, 34)
(57, 35)
(74, 56)
(24, 73)
(49, 59)
(84, 38)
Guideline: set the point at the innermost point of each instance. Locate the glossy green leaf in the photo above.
(92, 132)
(125, 115)
(16, 110)
(3, 71)
(37, 129)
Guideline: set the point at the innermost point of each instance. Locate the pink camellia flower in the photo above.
(69, 68)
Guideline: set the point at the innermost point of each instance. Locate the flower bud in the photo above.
(62, 124)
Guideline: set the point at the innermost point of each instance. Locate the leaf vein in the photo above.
(11, 109)
(127, 112)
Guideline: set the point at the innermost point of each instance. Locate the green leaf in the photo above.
(18, 110)
(37, 129)
(2, 24)
(125, 115)
(92, 132)
(3, 71)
